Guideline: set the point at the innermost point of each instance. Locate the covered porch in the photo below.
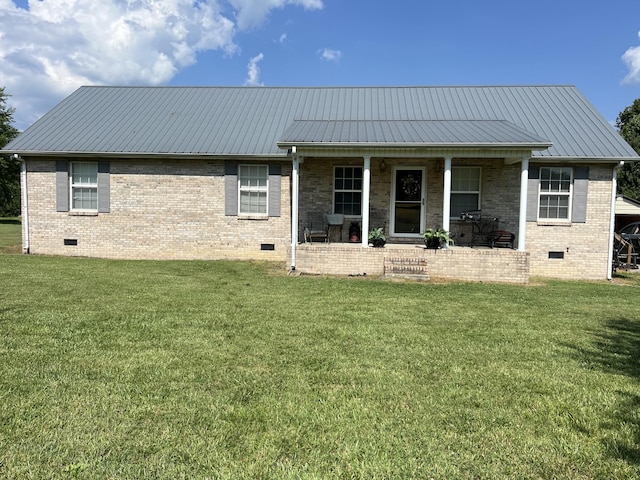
(402, 176)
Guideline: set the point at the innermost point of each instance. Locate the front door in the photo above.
(408, 201)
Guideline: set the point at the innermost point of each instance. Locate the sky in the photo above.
(49, 48)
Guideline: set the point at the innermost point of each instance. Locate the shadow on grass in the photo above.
(9, 221)
(616, 350)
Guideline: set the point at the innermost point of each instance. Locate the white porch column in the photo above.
(522, 220)
(294, 205)
(366, 186)
(446, 201)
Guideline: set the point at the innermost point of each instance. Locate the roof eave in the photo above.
(570, 159)
(144, 155)
(443, 145)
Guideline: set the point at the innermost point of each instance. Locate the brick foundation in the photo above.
(456, 263)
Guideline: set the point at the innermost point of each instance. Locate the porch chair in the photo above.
(316, 227)
(502, 238)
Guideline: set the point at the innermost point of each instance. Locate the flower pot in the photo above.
(378, 242)
(432, 243)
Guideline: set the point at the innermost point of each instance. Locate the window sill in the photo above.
(253, 217)
(549, 223)
(80, 213)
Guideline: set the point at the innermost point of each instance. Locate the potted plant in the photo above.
(377, 237)
(436, 238)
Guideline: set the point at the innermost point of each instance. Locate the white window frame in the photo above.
(253, 189)
(73, 186)
(565, 194)
(467, 192)
(347, 190)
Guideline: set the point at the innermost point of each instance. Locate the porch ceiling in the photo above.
(410, 133)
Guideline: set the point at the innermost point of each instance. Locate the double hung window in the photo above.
(347, 191)
(253, 189)
(465, 190)
(555, 193)
(83, 178)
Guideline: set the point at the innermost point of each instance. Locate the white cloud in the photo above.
(282, 38)
(330, 55)
(253, 72)
(56, 46)
(632, 58)
(250, 13)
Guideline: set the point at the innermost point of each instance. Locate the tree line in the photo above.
(9, 167)
(627, 123)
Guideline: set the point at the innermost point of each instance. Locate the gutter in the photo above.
(421, 145)
(150, 155)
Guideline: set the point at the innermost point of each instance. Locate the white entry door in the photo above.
(408, 201)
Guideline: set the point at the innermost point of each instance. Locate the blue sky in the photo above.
(48, 48)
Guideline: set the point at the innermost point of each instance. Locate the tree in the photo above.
(9, 167)
(628, 124)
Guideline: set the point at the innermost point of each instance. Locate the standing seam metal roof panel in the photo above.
(427, 132)
(249, 120)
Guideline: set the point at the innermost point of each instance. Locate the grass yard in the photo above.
(10, 235)
(233, 370)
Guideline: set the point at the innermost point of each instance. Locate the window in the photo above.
(84, 185)
(555, 193)
(253, 189)
(347, 191)
(465, 190)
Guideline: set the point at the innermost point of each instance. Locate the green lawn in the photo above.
(123, 369)
(10, 235)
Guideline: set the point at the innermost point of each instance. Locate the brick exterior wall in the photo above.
(466, 264)
(172, 209)
(585, 246)
(499, 197)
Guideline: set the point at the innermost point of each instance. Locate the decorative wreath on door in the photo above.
(410, 185)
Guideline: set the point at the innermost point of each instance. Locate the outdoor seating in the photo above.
(336, 221)
(316, 227)
(485, 231)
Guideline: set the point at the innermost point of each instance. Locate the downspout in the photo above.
(295, 172)
(612, 222)
(522, 220)
(25, 203)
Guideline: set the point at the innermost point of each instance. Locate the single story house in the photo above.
(240, 173)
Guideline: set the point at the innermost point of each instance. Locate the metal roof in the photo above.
(250, 120)
(432, 133)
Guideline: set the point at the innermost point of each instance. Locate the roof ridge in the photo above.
(326, 87)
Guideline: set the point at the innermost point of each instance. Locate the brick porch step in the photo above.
(406, 267)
